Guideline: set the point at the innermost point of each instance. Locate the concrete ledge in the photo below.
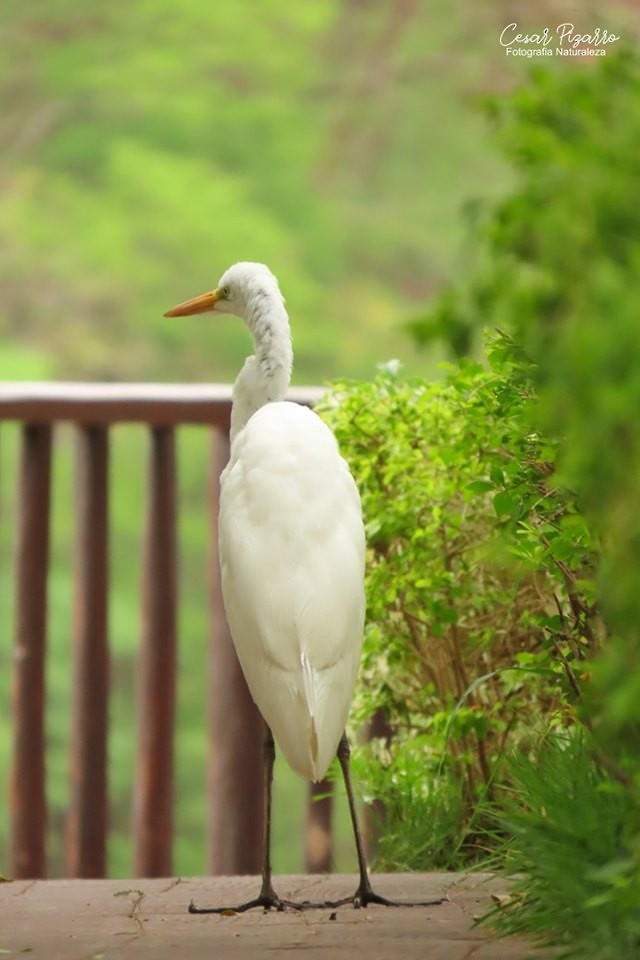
(105, 919)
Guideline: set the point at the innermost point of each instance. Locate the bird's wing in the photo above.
(292, 559)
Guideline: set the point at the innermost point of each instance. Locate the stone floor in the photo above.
(105, 919)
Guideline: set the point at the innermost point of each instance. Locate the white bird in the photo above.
(292, 556)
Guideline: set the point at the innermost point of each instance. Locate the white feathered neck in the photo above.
(254, 295)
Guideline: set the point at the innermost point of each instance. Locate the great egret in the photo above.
(292, 551)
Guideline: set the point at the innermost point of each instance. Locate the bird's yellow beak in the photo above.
(202, 304)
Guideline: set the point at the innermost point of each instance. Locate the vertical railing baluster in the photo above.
(87, 824)
(27, 796)
(378, 728)
(153, 802)
(318, 840)
(236, 817)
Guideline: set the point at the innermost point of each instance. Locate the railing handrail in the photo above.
(163, 404)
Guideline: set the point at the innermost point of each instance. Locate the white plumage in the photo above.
(292, 559)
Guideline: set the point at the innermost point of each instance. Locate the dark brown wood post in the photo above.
(374, 813)
(87, 823)
(153, 801)
(27, 793)
(318, 841)
(236, 816)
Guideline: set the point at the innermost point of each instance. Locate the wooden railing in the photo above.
(235, 775)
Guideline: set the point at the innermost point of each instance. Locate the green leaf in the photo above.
(504, 503)
(479, 486)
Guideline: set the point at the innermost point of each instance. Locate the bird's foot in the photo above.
(268, 900)
(365, 895)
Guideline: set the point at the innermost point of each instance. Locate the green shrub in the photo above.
(570, 856)
(478, 597)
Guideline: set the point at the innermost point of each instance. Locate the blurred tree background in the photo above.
(149, 146)
(146, 146)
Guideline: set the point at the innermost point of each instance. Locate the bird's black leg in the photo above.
(267, 897)
(365, 893)
(267, 891)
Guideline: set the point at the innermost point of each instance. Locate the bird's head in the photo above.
(242, 290)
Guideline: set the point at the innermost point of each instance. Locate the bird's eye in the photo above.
(226, 292)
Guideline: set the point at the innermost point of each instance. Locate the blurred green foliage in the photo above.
(556, 267)
(149, 146)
